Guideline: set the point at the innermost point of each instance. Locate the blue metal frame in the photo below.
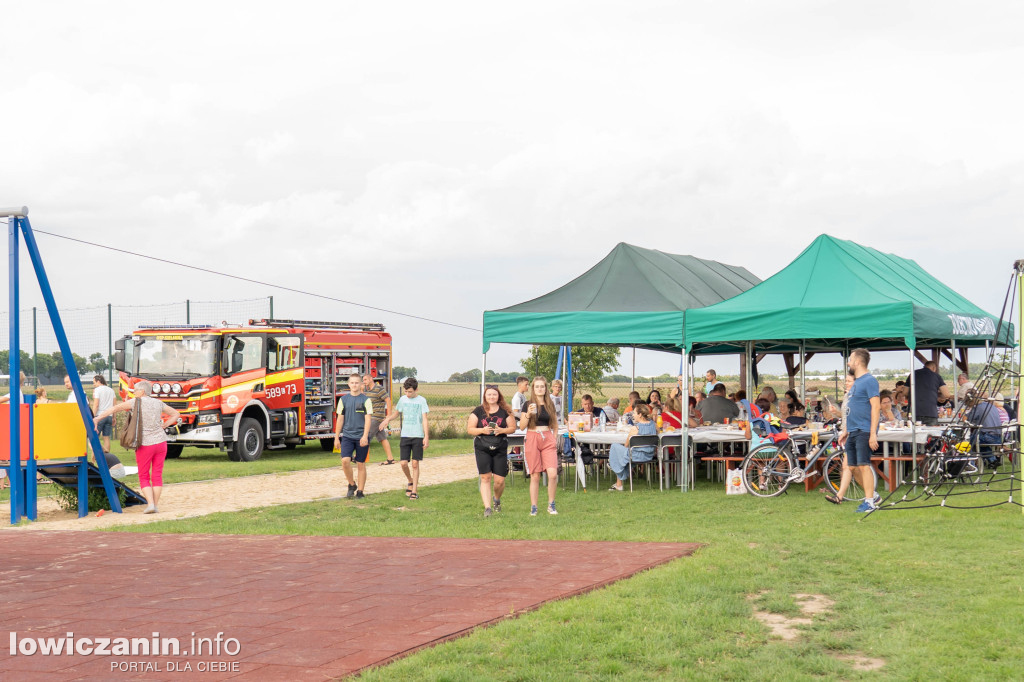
(19, 491)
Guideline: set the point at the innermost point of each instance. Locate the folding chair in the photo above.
(642, 442)
(665, 463)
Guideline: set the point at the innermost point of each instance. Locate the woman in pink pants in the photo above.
(152, 452)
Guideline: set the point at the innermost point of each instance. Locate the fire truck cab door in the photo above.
(244, 371)
(285, 380)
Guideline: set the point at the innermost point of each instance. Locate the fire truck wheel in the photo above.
(174, 450)
(249, 445)
(326, 444)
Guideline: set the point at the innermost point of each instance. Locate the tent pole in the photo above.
(1019, 267)
(483, 378)
(803, 373)
(750, 371)
(632, 374)
(956, 375)
(684, 455)
(913, 418)
(568, 378)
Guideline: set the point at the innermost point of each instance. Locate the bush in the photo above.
(67, 498)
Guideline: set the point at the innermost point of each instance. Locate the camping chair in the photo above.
(640, 442)
(666, 460)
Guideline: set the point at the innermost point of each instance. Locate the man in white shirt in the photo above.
(964, 384)
(103, 399)
(7, 397)
(712, 381)
(71, 394)
(519, 399)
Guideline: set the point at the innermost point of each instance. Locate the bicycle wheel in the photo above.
(833, 475)
(766, 469)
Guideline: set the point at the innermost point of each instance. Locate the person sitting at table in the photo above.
(887, 411)
(796, 411)
(738, 398)
(998, 402)
(587, 402)
(619, 456)
(634, 399)
(654, 401)
(768, 393)
(611, 411)
(672, 417)
(716, 408)
(988, 430)
(694, 412)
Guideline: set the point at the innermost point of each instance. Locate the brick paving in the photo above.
(302, 608)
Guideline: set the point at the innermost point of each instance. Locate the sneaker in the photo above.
(487, 512)
(351, 492)
(866, 506)
(533, 510)
(497, 504)
(876, 500)
(552, 510)
(359, 495)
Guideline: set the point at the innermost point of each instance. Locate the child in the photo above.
(352, 433)
(556, 398)
(415, 435)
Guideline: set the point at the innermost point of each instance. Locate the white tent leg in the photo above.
(632, 374)
(956, 374)
(803, 373)
(483, 378)
(684, 455)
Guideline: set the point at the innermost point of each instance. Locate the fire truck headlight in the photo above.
(165, 388)
(176, 388)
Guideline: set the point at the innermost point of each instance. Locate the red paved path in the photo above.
(303, 608)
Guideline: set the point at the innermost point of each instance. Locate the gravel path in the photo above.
(185, 500)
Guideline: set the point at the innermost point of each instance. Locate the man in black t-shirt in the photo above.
(929, 388)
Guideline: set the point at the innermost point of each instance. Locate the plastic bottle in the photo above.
(604, 419)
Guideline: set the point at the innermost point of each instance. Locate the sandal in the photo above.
(387, 462)
(413, 496)
(829, 497)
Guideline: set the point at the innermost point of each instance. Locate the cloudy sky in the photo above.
(446, 158)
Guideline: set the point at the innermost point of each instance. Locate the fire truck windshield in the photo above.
(176, 355)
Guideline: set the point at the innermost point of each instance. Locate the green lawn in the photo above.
(199, 464)
(936, 593)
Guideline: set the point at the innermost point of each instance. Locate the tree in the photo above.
(97, 362)
(470, 376)
(399, 372)
(589, 364)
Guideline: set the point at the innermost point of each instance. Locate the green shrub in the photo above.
(67, 498)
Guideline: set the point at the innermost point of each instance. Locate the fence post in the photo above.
(188, 311)
(110, 344)
(271, 307)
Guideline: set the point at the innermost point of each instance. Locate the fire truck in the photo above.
(272, 384)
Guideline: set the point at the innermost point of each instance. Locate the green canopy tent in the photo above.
(632, 297)
(838, 295)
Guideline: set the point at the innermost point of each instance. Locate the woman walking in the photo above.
(540, 422)
(152, 451)
(491, 422)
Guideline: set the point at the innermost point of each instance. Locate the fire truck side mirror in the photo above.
(119, 354)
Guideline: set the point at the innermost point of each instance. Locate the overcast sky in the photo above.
(446, 158)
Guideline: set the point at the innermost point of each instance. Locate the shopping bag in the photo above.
(734, 482)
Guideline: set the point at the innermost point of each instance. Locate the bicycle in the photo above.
(769, 468)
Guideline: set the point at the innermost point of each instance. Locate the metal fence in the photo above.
(91, 331)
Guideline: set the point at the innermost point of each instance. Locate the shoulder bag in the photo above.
(131, 436)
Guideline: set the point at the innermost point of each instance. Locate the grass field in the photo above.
(935, 593)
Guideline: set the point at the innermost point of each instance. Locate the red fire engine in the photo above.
(272, 384)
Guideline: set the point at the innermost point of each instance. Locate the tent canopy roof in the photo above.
(632, 297)
(838, 294)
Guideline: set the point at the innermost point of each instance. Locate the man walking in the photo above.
(381, 398)
(860, 432)
(103, 399)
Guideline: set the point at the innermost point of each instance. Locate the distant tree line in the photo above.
(49, 367)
